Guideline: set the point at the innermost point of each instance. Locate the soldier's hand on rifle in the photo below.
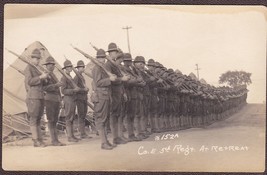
(152, 78)
(86, 89)
(160, 81)
(76, 89)
(125, 78)
(113, 77)
(43, 76)
(58, 84)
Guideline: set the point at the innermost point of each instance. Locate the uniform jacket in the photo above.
(52, 92)
(101, 82)
(82, 94)
(67, 89)
(33, 84)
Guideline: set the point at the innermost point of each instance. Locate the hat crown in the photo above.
(127, 56)
(139, 59)
(50, 60)
(80, 63)
(67, 63)
(120, 54)
(100, 53)
(112, 47)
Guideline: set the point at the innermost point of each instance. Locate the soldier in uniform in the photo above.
(52, 101)
(140, 121)
(101, 99)
(70, 97)
(81, 99)
(34, 82)
(116, 93)
(124, 97)
(131, 89)
(145, 92)
(154, 99)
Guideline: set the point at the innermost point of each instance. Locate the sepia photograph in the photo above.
(136, 88)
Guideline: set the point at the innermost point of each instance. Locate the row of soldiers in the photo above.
(143, 97)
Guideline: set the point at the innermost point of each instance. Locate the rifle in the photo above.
(78, 75)
(17, 69)
(93, 60)
(90, 105)
(96, 49)
(112, 61)
(39, 68)
(163, 83)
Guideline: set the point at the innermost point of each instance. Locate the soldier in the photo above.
(124, 97)
(102, 97)
(116, 93)
(81, 99)
(131, 89)
(70, 97)
(52, 101)
(154, 99)
(145, 102)
(141, 122)
(34, 82)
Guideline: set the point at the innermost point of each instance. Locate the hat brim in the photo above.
(67, 66)
(127, 60)
(139, 62)
(34, 56)
(49, 63)
(80, 66)
(112, 50)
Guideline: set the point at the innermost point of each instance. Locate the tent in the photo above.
(14, 93)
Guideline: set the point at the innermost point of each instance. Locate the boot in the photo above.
(72, 132)
(40, 135)
(51, 132)
(69, 133)
(83, 134)
(132, 138)
(56, 142)
(36, 141)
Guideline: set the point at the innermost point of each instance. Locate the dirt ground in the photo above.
(232, 145)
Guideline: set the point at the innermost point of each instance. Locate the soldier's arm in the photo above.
(30, 79)
(50, 87)
(99, 81)
(64, 88)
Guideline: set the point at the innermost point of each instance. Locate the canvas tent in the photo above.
(14, 93)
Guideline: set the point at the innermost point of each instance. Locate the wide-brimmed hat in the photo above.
(80, 63)
(49, 60)
(127, 57)
(101, 53)
(150, 62)
(139, 59)
(67, 63)
(112, 47)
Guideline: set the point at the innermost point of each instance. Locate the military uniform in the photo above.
(131, 91)
(35, 99)
(52, 103)
(81, 100)
(140, 116)
(69, 99)
(116, 97)
(101, 99)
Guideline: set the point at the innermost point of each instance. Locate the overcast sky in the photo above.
(217, 38)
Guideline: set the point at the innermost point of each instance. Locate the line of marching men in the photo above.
(143, 97)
